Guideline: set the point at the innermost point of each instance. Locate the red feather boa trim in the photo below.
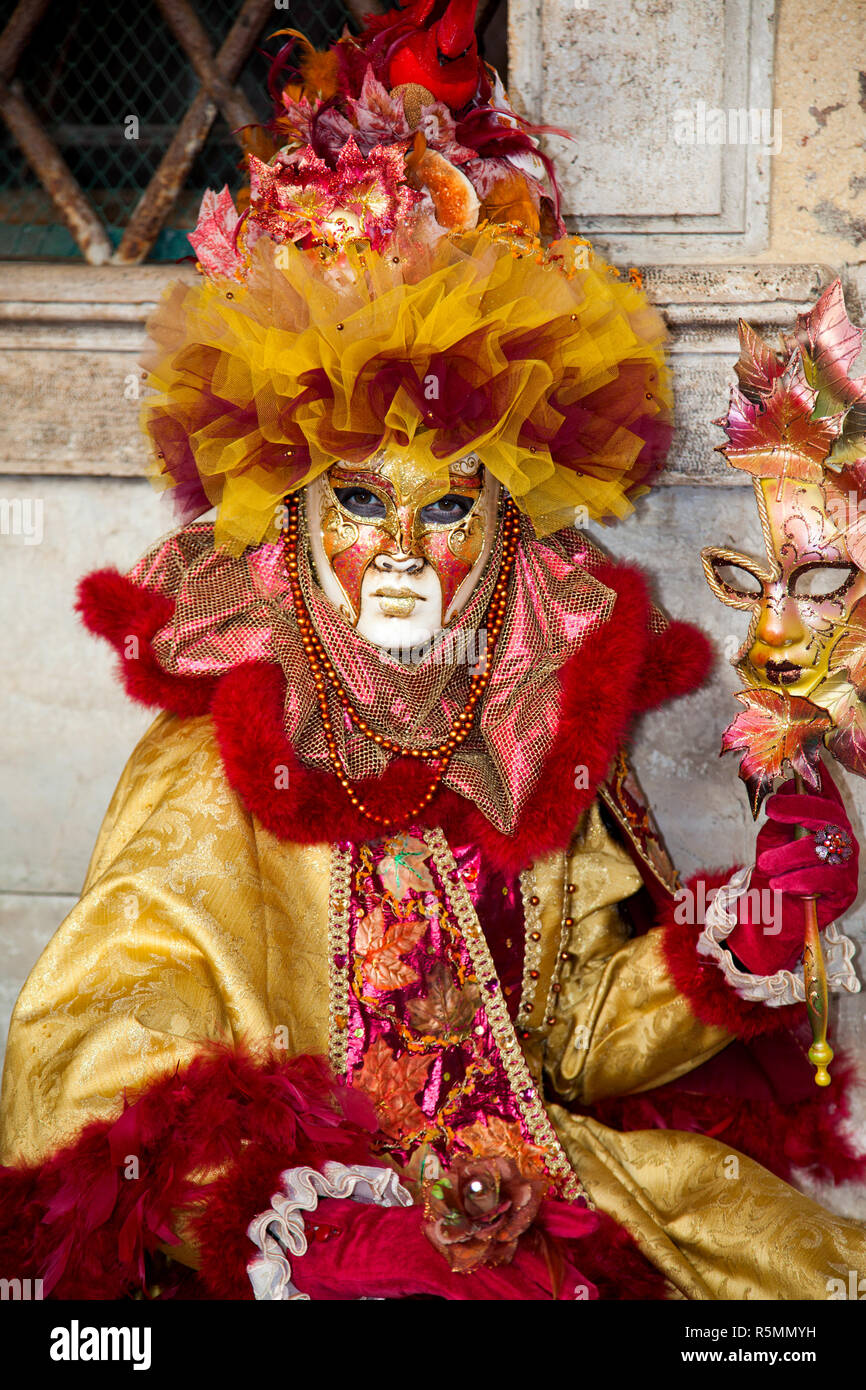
(91, 1224)
(620, 671)
(610, 673)
(129, 617)
(89, 1231)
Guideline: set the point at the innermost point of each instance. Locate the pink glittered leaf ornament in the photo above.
(772, 732)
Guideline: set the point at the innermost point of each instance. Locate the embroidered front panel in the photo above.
(420, 1015)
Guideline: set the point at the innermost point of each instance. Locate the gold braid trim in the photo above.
(523, 1088)
(338, 950)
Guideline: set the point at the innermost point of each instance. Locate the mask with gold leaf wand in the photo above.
(797, 424)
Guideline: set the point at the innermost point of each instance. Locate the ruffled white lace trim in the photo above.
(279, 1231)
(784, 987)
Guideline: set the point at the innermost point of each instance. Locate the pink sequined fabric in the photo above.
(235, 609)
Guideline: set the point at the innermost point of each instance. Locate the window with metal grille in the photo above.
(114, 124)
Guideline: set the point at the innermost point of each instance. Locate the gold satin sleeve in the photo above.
(195, 923)
(717, 1224)
(621, 1023)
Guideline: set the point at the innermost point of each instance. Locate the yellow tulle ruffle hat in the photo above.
(400, 278)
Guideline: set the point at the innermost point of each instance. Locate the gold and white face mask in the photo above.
(802, 595)
(397, 552)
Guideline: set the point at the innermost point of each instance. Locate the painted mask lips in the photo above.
(397, 603)
(783, 672)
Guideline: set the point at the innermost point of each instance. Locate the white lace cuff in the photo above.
(784, 987)
(279, 1231)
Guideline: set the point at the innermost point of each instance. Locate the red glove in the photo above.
(771, 917)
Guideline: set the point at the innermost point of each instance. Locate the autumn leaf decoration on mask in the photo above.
(776, 436)
(774, 730)
(849, 654)
(847, 737)
(796, 411)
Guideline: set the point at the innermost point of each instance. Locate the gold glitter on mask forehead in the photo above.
(404, 484)
(412, 485)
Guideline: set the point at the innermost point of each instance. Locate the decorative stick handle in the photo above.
(815, 982)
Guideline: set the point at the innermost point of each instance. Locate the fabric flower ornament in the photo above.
(833, 845)
(289, 203)
(380, 118)
(478, 1210)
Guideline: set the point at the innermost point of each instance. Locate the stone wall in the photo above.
(739, 232)
(818, 198)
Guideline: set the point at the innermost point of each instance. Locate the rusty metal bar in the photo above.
(22, 22)
(161, 193)
(190, 34)
(53, 173)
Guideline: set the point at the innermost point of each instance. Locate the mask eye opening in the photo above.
(468, 506)
(839, 574)
(735, 579)
(375, 508)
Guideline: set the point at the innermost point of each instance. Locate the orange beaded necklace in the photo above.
(324, 672)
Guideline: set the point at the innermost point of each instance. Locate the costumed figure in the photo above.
(381, 983)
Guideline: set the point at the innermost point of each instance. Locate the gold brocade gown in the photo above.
(197, 923)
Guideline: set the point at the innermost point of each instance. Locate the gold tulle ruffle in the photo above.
(542, 360)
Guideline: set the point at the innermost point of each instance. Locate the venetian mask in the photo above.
(797, 424)
(397, 551)
(802, 595)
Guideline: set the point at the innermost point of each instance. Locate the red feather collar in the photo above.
(620, 671)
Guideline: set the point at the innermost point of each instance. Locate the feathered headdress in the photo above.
(400, 277)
